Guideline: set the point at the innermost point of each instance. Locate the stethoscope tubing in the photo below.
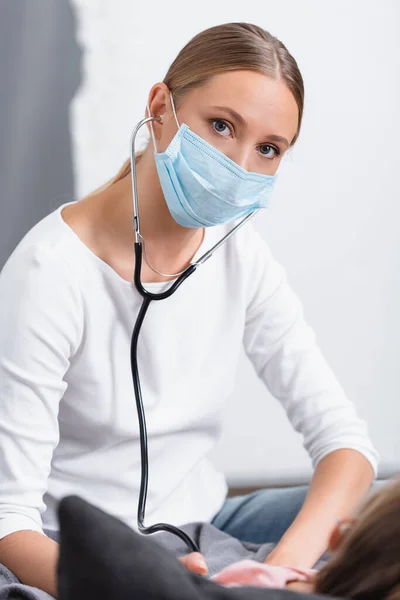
(148, 297)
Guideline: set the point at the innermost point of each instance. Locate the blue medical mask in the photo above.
(202, 187)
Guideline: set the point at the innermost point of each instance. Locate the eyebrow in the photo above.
(235, 115)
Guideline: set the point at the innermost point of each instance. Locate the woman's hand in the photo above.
(195, 562)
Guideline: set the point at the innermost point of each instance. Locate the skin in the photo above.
(103, 222)
(336, 539)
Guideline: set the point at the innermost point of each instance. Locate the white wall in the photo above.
(335, 218)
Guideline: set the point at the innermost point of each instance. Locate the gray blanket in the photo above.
(219, 549)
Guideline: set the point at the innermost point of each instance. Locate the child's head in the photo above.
(366, 551)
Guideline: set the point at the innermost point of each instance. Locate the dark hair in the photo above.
(367, 564)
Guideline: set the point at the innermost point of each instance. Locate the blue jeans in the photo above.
(262, 516)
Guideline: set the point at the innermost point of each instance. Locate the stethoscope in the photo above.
(147, 298)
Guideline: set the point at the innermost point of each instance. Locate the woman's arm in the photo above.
(32, 557)
(286, 356)
(340, 480)
(40, 329)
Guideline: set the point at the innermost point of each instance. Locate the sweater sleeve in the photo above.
(40, 329)
(286, 356)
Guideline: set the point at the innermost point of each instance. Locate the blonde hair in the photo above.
(228, 47)
(367, 564)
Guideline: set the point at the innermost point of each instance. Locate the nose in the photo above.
(241, 156)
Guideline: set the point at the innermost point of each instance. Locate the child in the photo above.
(365, 560)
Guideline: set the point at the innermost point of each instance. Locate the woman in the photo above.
(68, 419)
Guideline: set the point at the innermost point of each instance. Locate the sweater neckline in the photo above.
(153, 285)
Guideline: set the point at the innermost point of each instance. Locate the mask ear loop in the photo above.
(151, 122)
(173, 109)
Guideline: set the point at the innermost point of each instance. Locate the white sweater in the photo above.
(68, 421)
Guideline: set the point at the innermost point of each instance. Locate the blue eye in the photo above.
(268, 151)
(220, 126)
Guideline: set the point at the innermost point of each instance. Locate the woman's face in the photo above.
(248, 116)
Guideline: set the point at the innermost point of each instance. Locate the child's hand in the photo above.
(252, 573)
(195, 562)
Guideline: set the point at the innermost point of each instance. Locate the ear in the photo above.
(339, 533)
(159, 104)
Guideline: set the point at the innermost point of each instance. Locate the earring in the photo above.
(345, 524)
(339, 533)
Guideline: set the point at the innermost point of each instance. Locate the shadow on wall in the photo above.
(40, 72)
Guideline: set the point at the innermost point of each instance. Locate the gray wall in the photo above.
(40, 72)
